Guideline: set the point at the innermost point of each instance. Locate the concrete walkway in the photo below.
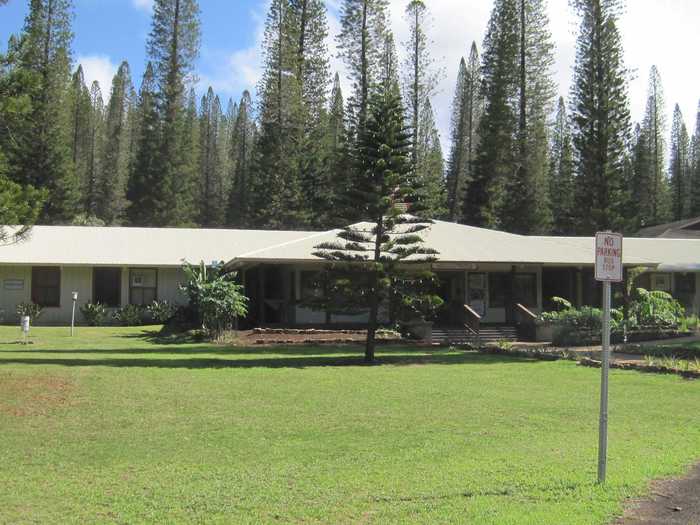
(618, 351)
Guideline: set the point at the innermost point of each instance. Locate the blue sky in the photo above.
(109, 31)
(654, 32)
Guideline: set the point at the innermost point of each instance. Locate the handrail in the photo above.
(526, 323)
(472, 312)
(526, 311)
(472, 321)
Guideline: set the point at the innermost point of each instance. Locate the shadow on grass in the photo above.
(312, 361)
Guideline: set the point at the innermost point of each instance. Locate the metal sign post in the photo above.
(72, 317)
(608, 269)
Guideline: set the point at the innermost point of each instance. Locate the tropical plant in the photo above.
(94, 313)
(656, 309)
(161, 311)
(215, 297)
(129, 315)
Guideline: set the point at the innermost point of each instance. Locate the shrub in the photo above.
(94, 313)
(33, 310)
(161, 311)
(689, 324)
(656, 309)
(215, 297)
(129, 315)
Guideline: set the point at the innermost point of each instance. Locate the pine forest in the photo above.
(521, 156)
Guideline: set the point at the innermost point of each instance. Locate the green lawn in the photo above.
(117, 425)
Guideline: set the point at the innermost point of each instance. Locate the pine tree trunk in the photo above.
(374, 296)
(414, 152)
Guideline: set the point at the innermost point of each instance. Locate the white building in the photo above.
(489, 270)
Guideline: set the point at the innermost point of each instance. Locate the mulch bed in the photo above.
(283, 336)
(673, 501)
(688, 374)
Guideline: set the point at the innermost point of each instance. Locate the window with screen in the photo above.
(106, 286)
(46, 286)
(525, 289)
(143, 286)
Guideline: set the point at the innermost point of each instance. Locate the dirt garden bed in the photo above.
(294, 336)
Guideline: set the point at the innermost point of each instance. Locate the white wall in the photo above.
(79, 279)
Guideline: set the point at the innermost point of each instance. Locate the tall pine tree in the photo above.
(79, 140)
(561, 174)
(95, 151)
(45, 53)
(142, 192)
(695, 170)
(679, 168)
(525, 206)
(496, 158)
(241, 155)
(173, 46)
(361, 42)
(601, 120)
(651, 188)
(117, 155)
(429, 174)
(212, 197)
(467, 108)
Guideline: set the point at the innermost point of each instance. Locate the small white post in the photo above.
(25, 328)
(72, 317)
(605, 368)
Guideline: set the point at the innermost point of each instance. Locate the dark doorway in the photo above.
(558, 282)
(451, 291)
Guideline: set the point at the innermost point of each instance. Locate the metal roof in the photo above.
(122, 246)
(458, 243)
(684, 229)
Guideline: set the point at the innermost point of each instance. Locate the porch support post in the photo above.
(261, 293)
(579, 287)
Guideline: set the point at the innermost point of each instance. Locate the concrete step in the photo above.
(488, 334)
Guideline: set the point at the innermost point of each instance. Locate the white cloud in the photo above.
(143, 5)
(230, 73)
(100, 68)
(660, 32)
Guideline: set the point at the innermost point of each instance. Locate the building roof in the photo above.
(458, 243)
(685, 229)
(121, 246)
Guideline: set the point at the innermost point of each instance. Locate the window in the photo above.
(525, 289)
(661, 282)
(143, 285)
(46, 286)
(507, 289)
(106, 286)
(499, 288)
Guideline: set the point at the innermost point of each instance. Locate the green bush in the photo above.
(161, 311)
(33, 310)
(94, 313)
(656, 309)
(689, 324)
(215, 297)
(129, 315)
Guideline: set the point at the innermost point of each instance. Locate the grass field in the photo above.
(119, 425)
